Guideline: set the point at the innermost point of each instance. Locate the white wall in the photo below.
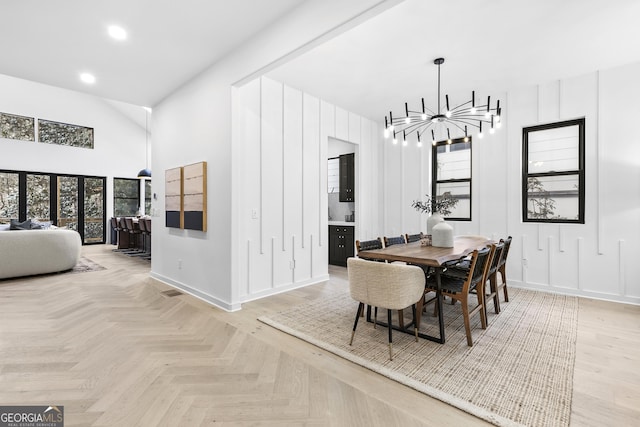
(596, 259)
(119, 133)
(285, 134)
(201, 122)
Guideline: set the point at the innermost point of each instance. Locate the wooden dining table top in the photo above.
(432, 256)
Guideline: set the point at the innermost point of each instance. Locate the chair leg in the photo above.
(493, 283)
(503, 273)
(355, 324)
(415, 322)
(375, 317)
(467, 325)
(483, 307)
(401, 318)
(390, 329)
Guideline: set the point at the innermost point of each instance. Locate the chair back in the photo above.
(114, 223)
(413, 237)
(123, 224)
(390, 286)
(389, 241)
(480, 261)
(496, 259)
(142, 225)
(366, 245)
(505, 251)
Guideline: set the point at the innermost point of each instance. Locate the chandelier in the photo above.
(459, 119)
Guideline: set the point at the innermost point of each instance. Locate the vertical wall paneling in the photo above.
(284, 192)
(322, 183)
(261, 205)
(540, 237)
(600, 176)
(342, 124)
(293, 259)
(561, 238)
(311, 255)
(622, 289)
(579, 255)
(273, 262)
(354, 128)
(302, 216)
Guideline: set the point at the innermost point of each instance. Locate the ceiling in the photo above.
(169, 42)
(489, 46)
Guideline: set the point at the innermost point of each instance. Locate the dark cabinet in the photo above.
(341, 244)
(347, 178)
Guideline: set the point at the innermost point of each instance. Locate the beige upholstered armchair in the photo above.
(390, 286)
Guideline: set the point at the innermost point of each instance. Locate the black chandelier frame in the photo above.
(462, 116)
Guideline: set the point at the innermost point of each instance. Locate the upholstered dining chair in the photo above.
(460, 288)
(377, 244)
(390, 286)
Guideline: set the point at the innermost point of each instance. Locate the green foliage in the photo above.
(541, 205)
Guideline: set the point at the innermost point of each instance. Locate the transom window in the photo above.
(553, 172)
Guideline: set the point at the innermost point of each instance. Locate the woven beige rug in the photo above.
(518, 372)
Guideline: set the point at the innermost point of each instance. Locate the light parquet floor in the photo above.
(116, 351)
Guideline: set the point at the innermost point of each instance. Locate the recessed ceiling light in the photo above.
(88, 78)
(117, 33)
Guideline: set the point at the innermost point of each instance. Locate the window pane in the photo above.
(68, 202)
(553, 150)
(93, 210)
(17, 127)
(554, 197)
(38, 197)
(147, 197)
(125, 196)
(456, 163)
(333, 175)
(461, 191)
(8, 196)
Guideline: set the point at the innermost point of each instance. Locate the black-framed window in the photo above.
(451, 175)
(126, 196)
(77, 202)
(147, 196)
(553, 186)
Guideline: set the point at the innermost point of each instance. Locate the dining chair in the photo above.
(410, 238)
(389, 241)
(502, 266)
(459, 288)
(377, 244)
(390, 286)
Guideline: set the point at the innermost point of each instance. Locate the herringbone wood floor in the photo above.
(116, 351)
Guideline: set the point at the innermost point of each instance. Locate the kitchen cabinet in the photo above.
(341, 244)
(347, 178)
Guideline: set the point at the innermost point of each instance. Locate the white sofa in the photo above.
(29, 252)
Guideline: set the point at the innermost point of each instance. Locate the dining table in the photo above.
(427, 257)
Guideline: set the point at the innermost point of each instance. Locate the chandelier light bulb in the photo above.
(492, 131)
(466, 139)
(497, 118)
(499, 125)
(423, 116)
(391, 128)
(386, 133)
(407, 120)
(419, 144)
(433, 142)
(487, 114)
(395, 140)
(449, 141)
(448, 114)
(404, 142)
(480, 135)
(473, 110)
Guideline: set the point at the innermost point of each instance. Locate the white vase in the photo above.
(434, 219)
(442, 235)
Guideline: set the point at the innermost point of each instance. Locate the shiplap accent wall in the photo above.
(597, 259)
(283, 194)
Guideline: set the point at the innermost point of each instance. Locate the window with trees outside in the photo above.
(451, 175)
(126, 196)
(553, 172)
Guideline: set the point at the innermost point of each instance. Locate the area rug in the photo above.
(518, 372)
(85, 265)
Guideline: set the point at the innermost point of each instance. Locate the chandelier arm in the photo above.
(470, 122)
(458, 106)
(411, 127)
